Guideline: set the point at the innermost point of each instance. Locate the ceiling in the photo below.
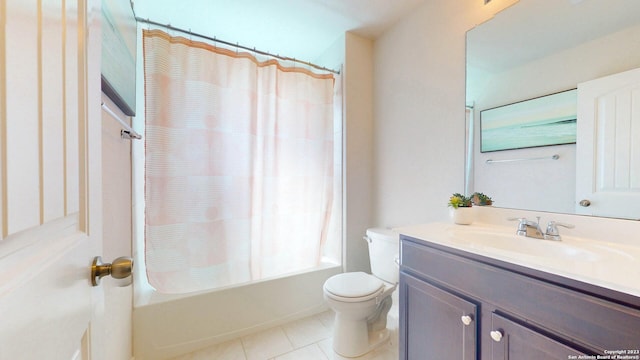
(302, 29)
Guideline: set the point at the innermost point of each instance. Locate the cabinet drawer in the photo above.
(595, 323)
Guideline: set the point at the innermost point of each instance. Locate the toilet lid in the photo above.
(353, 284)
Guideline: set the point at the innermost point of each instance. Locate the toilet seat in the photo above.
(353, 287)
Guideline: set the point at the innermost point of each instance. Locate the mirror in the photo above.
(533, 49)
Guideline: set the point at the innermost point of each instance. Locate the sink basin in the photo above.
(521, 246)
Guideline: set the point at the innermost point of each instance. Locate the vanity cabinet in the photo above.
(458, 305)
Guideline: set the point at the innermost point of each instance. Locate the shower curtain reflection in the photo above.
(241, 177)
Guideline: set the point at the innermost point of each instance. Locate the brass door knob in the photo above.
(120, 268)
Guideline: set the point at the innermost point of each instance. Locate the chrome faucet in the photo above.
(552, 232)
(530, 228)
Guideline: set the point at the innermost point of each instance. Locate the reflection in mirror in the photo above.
(532, 49)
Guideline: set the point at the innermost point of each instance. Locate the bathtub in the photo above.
(168, 325)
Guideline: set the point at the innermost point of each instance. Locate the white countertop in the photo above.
(609, 265)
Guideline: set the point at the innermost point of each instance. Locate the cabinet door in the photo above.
(435, 324)
(517, 342)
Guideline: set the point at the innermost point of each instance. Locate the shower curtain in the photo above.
(239, 166)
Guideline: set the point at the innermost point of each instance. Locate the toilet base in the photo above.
(359, 340)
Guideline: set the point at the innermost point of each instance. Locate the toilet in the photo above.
(361, 301)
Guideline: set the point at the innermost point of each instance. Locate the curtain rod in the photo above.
(286, 58)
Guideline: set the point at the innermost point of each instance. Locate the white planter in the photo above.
(462, 215)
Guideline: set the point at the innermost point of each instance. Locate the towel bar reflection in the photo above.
(553, 157)
(127, 132)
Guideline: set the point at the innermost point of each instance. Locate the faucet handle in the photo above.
(553, 226)
(522, 225)
(552, 229)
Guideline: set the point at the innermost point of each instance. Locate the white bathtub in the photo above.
(166, 326)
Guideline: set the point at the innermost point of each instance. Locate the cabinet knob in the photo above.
(466, 320)
(496, 335)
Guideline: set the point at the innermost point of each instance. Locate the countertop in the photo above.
(608, 265)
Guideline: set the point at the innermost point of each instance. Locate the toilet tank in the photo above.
(383, 252)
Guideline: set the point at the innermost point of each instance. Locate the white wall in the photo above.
(358, 152)
(116, 232)
(419, 114)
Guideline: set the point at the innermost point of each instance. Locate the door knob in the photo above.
(585, 203)
(466, 320)
(120, 268)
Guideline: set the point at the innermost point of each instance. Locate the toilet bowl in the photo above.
(361, 301)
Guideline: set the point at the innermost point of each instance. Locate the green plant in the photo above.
(458, 200)
(481, 199)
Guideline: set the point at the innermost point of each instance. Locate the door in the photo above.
(435, 324)
(50, 179)
(518, 342)
(608, 146)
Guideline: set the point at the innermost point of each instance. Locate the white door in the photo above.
(50, 179)
(608, 146)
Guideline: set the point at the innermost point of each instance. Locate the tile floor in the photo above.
(305, 339)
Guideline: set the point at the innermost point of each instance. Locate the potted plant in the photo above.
(481, 199)
(461, 212)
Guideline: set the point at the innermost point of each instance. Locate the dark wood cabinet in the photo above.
(438, 324)
(516, 313)
(515, 341)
